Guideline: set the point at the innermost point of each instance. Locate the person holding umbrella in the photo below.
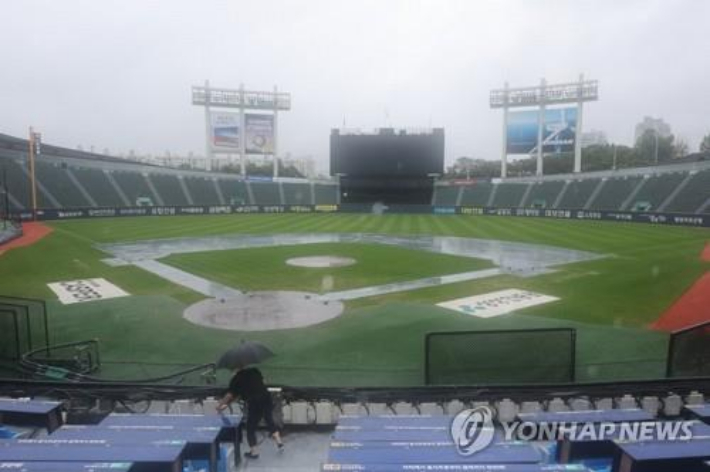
(248, 384)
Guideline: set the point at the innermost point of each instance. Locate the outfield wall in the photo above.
(678, 219)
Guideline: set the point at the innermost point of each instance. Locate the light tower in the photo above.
(241, 133)
(540, 98)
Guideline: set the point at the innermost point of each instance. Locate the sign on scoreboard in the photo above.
(559, 131)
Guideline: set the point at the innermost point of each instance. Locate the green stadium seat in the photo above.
(297, 194)
(544, 194)
(509, 195)
(577, 194)
(234, 192)
(17, 183)
(56, 180)
(133, 185)
(476, 194)
(169, 188)
(98, 186)
(202, 190)
(693, 195)
(446, 194)
(614, 193)
(657, 188)
(266, 193)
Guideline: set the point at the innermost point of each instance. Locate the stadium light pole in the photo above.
(33, 142)
(504, 147)
(211, 97)
(208, 126)
(242, 135)
(578, 127)
(540, 127)
(6, 198)
(276, 132)
(655, 134)
(542, 96)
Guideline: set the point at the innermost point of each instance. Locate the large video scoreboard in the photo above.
(388, 166)
(387, 153)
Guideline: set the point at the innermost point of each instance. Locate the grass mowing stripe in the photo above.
(299, 226)
(427, 224)
(353, 224)
(387, 226)
(266, 224)
(476, 227)
(330, 223)
(562, 235)
(322, 225)
(605, 230)
(372, 223)
(404, 225)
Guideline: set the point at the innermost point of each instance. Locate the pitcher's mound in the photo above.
(262, 311)
(321, 262)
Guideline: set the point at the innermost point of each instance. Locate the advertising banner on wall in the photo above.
(683, 219)
(259, 130)
(558, 133)
(225, 130)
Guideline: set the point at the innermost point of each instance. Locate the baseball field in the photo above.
(611, 300)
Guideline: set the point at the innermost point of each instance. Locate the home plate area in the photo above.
(262, 311)
(498, 303)
(321, 262)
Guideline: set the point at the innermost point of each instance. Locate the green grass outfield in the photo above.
(378, 341)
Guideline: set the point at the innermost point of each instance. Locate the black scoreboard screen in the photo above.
(389, 153)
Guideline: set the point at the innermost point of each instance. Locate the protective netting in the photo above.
(500, 357)
(689, 352)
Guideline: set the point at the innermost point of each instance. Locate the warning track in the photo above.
(32, 232)
(693, 307)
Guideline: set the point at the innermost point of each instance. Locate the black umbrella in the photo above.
(246, 353)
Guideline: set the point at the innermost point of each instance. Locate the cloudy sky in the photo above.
(117, 74)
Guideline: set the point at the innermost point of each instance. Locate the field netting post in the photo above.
(689, 352)
(500, 357)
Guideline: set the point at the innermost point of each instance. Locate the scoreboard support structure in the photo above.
(540, 97)
(268, 103)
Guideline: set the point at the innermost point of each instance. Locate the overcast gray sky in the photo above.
(117, 74)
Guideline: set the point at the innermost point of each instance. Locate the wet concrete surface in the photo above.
(263, 311)
(321, 262)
